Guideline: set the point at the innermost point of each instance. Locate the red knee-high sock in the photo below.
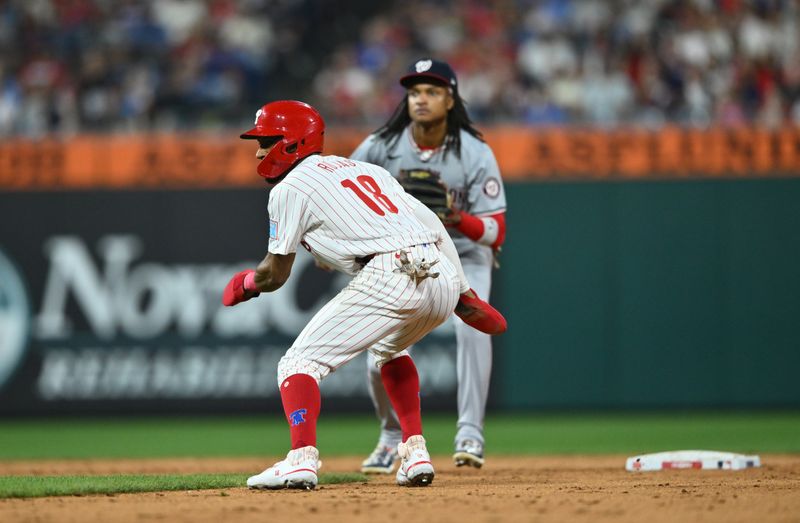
(401, 381)
(301, 403)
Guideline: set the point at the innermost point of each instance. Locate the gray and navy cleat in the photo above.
(381, 461)
(469, 452)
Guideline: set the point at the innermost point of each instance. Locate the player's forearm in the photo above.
(271, 273)
(484, 230)
(263, 281)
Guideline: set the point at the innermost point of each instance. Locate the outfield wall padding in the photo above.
(651, 294)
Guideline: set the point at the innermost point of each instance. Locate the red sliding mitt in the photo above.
(235, 291)
(480, 315)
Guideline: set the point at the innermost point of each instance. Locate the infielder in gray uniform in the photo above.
(430, 137)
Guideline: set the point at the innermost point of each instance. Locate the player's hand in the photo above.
(235, 291)
(449, 217)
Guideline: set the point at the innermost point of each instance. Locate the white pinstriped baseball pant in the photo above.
(380, 310)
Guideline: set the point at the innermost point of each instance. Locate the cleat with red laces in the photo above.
(297, 471)
(416, 469)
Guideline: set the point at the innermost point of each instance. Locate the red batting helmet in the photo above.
(298, 128)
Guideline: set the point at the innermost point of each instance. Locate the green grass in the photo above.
(765, 432)
(347, 435)
(40, 486)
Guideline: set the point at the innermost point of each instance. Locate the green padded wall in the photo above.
(650, 294)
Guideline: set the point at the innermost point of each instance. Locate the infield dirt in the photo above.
(509, 488)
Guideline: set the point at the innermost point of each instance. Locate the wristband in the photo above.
(471, 226)
(250, 282)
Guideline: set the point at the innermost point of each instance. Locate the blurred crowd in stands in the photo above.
(121, 65)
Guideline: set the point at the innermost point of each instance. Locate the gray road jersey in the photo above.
(473, 179)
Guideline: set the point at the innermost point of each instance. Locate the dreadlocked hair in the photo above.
(457, 119)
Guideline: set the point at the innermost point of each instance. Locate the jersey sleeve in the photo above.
(369, 151)
(485, 192)
(288, 219)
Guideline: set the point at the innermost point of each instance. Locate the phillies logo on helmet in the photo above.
(258, 113)
(423, 65)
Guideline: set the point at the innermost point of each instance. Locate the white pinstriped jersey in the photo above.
(340, 210)
(472, 178)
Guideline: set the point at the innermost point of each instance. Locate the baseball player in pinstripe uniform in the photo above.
(431, 137)
(356, 218)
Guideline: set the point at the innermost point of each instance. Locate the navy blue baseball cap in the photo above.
(430, 69)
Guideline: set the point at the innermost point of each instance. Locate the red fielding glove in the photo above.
(480, 315)
(237, 290)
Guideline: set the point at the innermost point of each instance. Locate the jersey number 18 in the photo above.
(377, 197)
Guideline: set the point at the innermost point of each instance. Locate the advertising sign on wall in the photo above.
(111, 301)
(523, 154)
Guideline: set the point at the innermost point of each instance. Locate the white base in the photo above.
(691, 459)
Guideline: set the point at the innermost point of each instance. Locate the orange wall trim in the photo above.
(198, 161)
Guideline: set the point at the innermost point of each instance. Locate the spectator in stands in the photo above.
(123, 65)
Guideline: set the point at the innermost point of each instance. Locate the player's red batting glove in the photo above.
(480, 315)
(237, 289)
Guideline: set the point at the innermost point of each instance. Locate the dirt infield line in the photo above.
(509, 488)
